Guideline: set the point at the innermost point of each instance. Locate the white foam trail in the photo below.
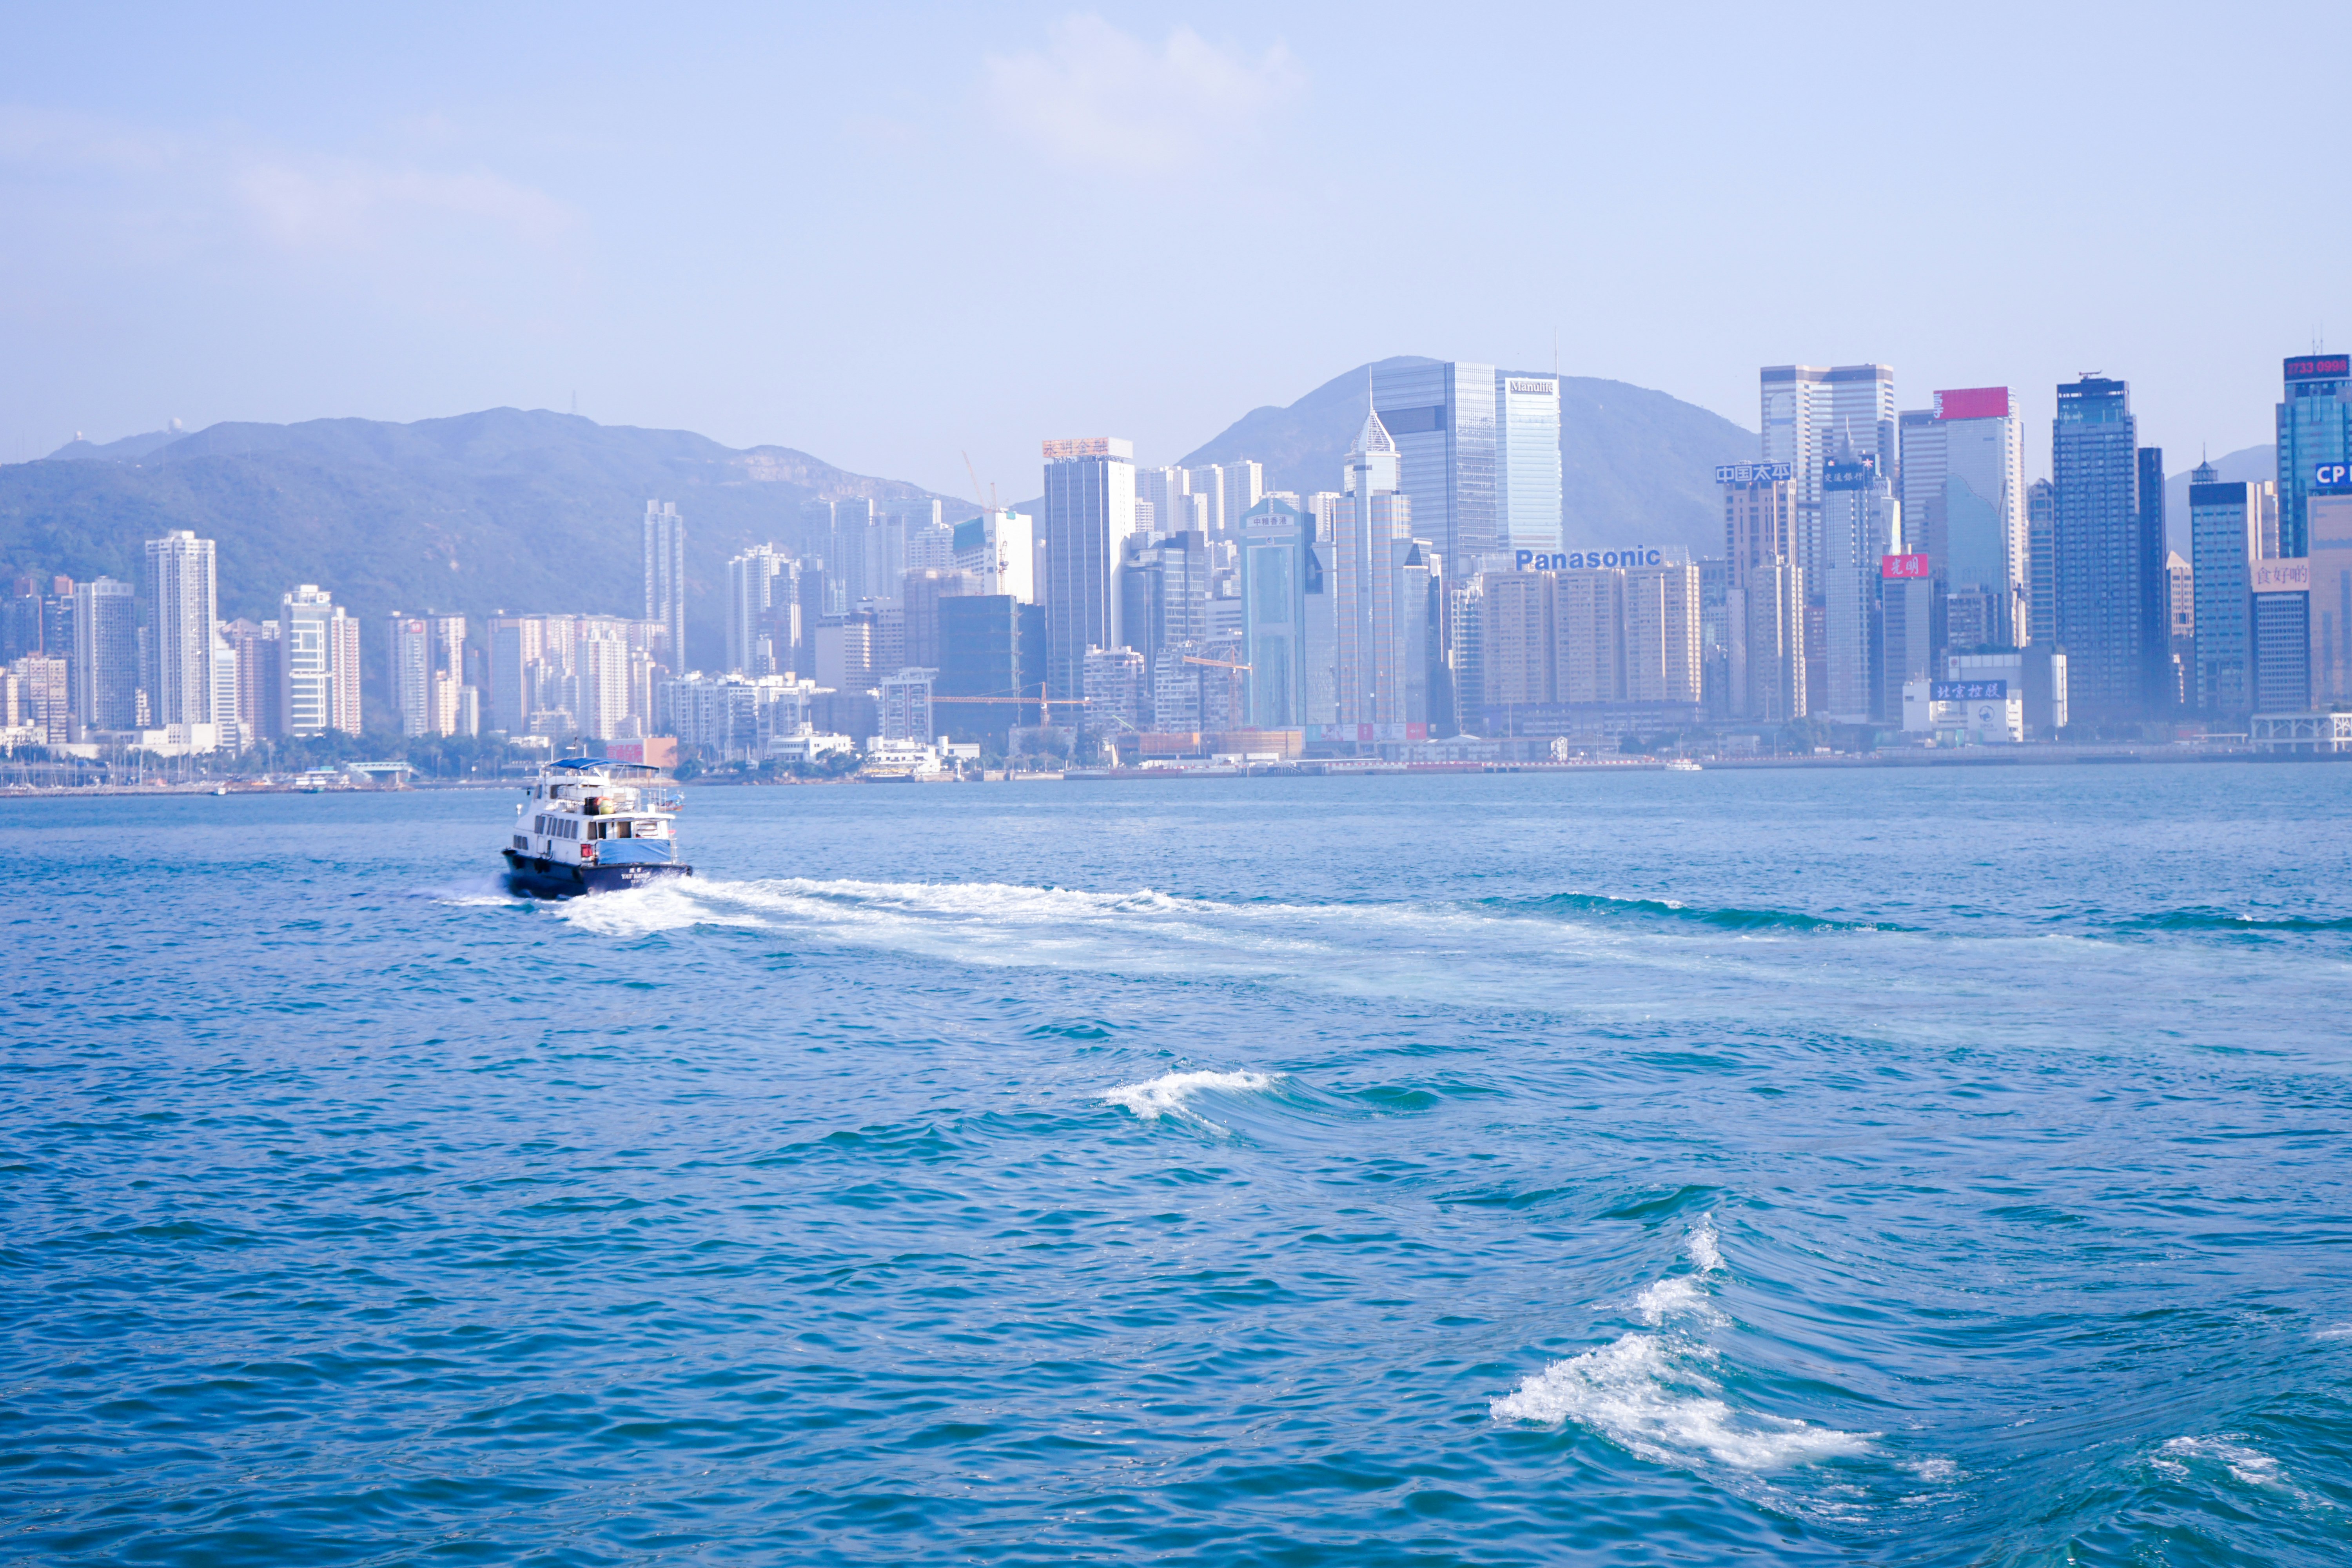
(2340, 1331)
(2250, 1467)
(1170, 1094)
(1705, 1255)
(1655, 1399)
(1655, 1393)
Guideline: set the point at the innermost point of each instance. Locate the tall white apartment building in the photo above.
(664, 540)
(184, 622)
(319, 663)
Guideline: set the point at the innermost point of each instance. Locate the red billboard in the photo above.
(1973, 403)
(1892, 567)
(2316, 365)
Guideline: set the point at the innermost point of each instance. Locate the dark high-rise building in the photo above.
(1089, 513)
(992, 645)
(2110, 604)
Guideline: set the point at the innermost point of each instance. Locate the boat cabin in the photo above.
(585, 811)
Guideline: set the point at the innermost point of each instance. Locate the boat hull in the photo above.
(558, 880)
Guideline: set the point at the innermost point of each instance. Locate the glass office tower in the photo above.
(2315, 443)
(2102, 599)
(1441, 420)
(1089, 513)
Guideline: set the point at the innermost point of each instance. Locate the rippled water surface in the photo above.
(1946, 1167)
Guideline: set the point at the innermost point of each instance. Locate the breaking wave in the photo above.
(1171, 1094)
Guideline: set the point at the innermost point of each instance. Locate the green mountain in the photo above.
(1636, 465)
(508, 509)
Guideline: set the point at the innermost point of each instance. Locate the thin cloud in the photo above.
(344, 203)
(1097, 97)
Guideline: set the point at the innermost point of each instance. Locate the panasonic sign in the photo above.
(1581, 560)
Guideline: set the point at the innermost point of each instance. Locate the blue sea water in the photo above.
(1921, 1167)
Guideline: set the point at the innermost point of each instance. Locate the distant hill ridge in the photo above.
(507, 508)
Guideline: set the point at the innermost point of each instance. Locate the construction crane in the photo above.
(989, 499)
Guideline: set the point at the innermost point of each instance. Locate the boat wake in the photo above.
(1658, 1391)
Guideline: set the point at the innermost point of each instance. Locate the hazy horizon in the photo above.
(894, 237)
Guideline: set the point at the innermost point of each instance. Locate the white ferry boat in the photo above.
(589, 825)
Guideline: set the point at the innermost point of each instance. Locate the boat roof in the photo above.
(600, 765)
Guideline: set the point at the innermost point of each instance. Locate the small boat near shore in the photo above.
(589, 825)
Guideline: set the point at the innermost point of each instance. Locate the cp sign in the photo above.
(2327, 474)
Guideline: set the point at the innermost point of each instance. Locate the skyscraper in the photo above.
(2279, 628)
(319, 664)
(1089, 514)
(1803, 408)
(1526, 462)
(1440, 421)
(106, 655)
(2107, 578)
(2180, 630)
(411, 647)
(999, 548)
(2329, 520)
(1964, 507)
(757, 582)
(1164, 593)
(1766, 601)
(2315, 442)
(183, 619)
(1861, 525)
(666, 581)
(1382, 676)
(2157, 682)
(516, 648)
(2040, 560)
(1277, 559)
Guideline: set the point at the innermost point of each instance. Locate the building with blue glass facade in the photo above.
(2110, 587)
(2315, 442)
(1279, 571)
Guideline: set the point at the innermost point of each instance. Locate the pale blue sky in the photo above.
(889, 234)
